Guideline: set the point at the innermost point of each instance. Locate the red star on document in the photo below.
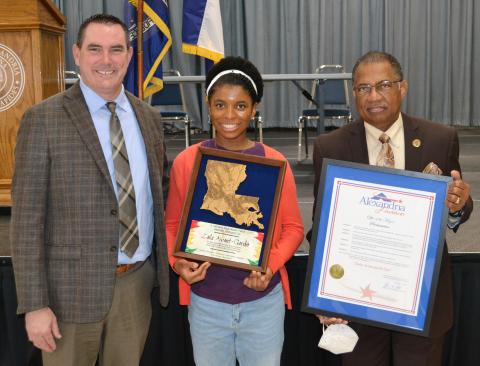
(367, 292)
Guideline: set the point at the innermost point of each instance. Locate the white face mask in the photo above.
(338, 339)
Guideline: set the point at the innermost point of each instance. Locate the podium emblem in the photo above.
(12, 78)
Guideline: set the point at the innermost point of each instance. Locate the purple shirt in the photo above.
(226, 284)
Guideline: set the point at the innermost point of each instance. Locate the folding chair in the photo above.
(70, 77)
(258, 126)
(172, 96)
(331, 96)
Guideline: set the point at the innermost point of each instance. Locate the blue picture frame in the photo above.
(318, 301)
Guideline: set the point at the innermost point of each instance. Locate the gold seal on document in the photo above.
(417, 143)
(336, 271)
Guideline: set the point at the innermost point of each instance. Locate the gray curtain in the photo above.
(436, 41)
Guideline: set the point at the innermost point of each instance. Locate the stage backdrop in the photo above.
(437, 42)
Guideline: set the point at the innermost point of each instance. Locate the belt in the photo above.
(121, 268)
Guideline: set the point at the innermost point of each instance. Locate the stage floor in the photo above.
(465, 240)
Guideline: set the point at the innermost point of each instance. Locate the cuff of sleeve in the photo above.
(173, 265)
(454, 218)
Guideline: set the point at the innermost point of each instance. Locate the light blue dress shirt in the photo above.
(137, 157)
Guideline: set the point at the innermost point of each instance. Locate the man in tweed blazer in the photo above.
(379, 90)
(82, 297)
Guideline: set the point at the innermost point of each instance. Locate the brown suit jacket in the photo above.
(439, 144)
(64, 226)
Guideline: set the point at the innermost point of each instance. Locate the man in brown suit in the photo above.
(84, 295)
(379, 89)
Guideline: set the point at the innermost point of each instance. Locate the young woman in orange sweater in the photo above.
(235, 314)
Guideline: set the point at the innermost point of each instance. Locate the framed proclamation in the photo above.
(230, 209)
(377, 243)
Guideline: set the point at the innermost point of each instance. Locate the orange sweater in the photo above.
(288, 230)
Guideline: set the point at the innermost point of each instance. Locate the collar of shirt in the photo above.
(95, 102)
(397, 142)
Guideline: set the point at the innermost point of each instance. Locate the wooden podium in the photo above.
(31, 69)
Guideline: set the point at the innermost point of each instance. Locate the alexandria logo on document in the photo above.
(382, 201)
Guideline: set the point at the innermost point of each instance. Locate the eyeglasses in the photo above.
(382, 87)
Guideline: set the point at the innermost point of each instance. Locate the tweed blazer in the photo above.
(439, 144)
(64, 227)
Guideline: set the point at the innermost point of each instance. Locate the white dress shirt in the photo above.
(397, 142)
(137, 157)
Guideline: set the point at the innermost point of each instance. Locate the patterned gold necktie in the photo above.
(385, 157)
(127, 214)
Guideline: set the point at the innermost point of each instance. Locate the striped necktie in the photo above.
(385, 157)
(127, 214)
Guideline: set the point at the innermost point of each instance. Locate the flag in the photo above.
(202, 32)
(156, 42)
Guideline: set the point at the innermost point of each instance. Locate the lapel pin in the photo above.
(416, 143)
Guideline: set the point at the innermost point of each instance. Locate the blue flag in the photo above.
(156, 42)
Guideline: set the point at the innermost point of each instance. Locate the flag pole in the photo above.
(140, 47)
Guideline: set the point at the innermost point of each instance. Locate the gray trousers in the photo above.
(120, 337)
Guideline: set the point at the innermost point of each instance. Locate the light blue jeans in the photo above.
(251, 331)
